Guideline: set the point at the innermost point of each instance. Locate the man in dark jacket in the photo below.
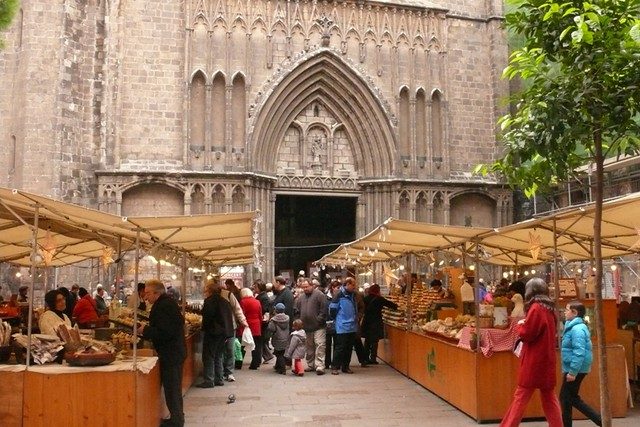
(283, 295)
(217, 326)
(166, 331)
(311, 307)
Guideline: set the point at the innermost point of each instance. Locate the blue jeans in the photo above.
(212, 353)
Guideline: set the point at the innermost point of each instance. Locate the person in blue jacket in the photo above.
(577, 356)
(343, 310)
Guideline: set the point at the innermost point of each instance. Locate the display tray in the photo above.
(89, 359)
(440, 337)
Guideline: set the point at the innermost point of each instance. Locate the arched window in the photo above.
(421, 136)
(219, 199)
(238, 99)
(405, 211)
(438, 209)
(422, 212)
(238, 199)
(405, 147)
(218, 113)
(197, 201)
(197, 113)
(436, 127)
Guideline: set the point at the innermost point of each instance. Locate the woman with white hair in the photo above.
(253, 312)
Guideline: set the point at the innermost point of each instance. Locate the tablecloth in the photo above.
(143, 364)
(491, 339)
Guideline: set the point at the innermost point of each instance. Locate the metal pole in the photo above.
(184, 283)
(135, 309)
(556, 271)
(118, 267)
(477, 296)
(34, 253)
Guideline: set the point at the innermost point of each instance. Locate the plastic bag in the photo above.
(247, 340)
(237, 350)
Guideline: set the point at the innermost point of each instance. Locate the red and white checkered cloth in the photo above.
(491, 339)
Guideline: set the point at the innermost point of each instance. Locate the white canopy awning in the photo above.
(78, 233)
(526, 243)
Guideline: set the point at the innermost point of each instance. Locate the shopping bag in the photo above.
(247, 340)
(237, 350)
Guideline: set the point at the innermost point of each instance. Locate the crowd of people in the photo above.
(309, 327)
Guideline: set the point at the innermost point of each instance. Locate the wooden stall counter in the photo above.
(482, 387)
(192, 367)
(58, 395)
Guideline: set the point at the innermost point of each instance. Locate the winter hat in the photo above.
(280, 307)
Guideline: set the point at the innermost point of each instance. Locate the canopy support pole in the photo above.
(184, 283)
(34, 253)
(556, 280)
(119, 268)
(477, 295)
(135, 310)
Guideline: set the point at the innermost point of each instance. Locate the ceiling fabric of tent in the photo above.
(81, 233)
(507, 246)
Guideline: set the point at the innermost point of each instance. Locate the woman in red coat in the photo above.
(253, 312)
(85, 312)
(538, 357)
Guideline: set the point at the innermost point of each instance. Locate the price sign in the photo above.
(568, 287)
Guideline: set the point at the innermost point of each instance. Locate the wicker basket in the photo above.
(485, 322)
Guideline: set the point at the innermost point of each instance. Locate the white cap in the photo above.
(99, 286)
(366, 285)
(301, 273)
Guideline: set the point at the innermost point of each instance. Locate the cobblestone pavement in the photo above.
(374, 396)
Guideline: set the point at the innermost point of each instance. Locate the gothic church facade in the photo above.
(151, 107)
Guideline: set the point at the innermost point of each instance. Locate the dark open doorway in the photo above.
(305, 224)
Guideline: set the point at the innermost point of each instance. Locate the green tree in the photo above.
(580, 105)
(8, 9)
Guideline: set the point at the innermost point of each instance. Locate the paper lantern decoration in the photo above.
(48, 247)
(107, 256)
(534, 245)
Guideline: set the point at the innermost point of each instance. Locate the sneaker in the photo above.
(320, 371)
(373, 362)
(205, 384)
(219, 383)
(364, 364)
(309, 370)
(230, 378)
(268, 361)
(347, 371)
(335, 372)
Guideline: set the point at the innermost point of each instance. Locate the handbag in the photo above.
(517, 347)
(331, 327)
(247, 340)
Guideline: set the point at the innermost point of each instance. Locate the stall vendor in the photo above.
(54, 316)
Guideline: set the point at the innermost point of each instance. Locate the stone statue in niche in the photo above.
(317, 148)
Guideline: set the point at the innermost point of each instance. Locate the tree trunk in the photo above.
(605, 406)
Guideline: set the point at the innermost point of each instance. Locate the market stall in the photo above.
(39, 232)
(439, 354)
